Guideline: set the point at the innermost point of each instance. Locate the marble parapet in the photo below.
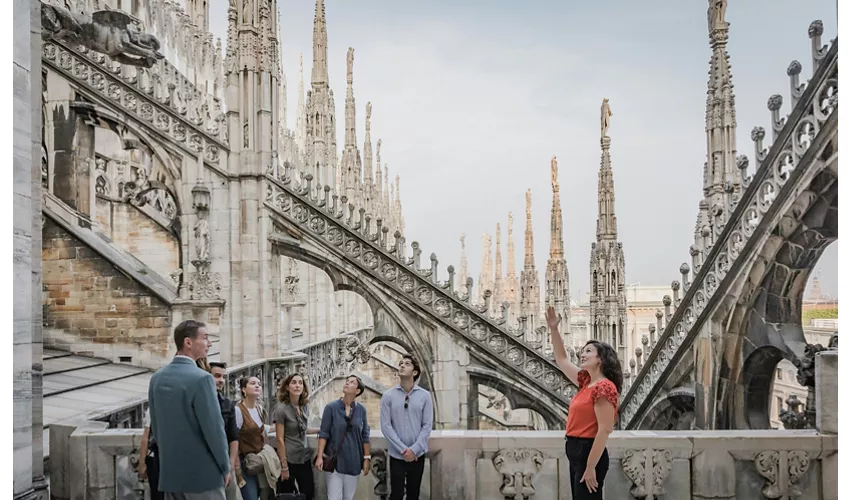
(508, 464)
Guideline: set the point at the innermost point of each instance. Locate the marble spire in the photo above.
(319, 76)
(511, 281)
(557, 273)
(529, 280)
(720, 171)
(301, 110)
(498, 285)
(608, 314)
(464, 268)
(485, 279)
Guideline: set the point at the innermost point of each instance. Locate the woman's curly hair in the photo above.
(611, 367)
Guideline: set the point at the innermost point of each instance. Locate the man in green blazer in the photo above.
(186, 422)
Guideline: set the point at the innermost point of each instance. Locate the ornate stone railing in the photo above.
(332, 223)
(159, 98)
(797, 139)
(524, 465)
(90, 461)
(320, 362)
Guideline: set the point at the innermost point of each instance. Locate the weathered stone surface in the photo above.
(826, 391)
(93, 307)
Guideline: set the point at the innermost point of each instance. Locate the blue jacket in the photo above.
(189, 430)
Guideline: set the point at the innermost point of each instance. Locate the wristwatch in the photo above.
(367, 457)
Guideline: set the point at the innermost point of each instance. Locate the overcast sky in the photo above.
(472, 98)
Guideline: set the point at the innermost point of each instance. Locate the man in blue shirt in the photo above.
(407, 415)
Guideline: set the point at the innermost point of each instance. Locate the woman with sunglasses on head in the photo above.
(290, 418)
(344, 442)
(592, 411)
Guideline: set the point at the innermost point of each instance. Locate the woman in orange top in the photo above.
(592, 410)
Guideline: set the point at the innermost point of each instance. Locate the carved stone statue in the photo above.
(554, 170)
(463, 241)
(528, 204)
(606, 117)
(202, 239)
(350, 65)
(716, 14)
(247, 15)
(110, 32)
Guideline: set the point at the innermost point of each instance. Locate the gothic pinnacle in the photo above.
(319, 76)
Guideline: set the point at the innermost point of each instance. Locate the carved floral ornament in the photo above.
(518, 468)
(729, 242)
(336, 228)
(647, 470)
(782, 471)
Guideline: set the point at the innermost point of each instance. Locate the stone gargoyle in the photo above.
(110, 32)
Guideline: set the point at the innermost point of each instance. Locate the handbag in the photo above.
(329, 461)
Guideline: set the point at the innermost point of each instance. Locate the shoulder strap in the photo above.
(347, 429)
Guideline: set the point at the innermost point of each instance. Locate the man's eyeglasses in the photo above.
(406, 401)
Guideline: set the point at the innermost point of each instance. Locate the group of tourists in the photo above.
(199, 445)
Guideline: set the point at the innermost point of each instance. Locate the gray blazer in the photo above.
(187, 425)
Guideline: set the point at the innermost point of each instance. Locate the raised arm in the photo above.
(564, 363)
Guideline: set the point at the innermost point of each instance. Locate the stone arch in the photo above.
(390, 322)
(765, 324)
(520, 396)
(674, 411)
(113, 121)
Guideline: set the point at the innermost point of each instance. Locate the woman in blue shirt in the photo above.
(344, 442)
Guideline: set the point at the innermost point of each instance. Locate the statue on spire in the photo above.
(554, 171)
(463, 241)
(716, 14)
(528, 204)
(606, 117)
(350, 72)
(368, 115)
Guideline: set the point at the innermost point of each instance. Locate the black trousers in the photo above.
(578, 451)
(406, 477)
(152, 463)
(302, 474)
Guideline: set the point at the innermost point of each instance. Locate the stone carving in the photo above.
(110, 32)
(518, 468)
(204, 285)
(730, 241)
(379, 470)
(793, 417)
(291, 281)
(145, 100)
(202, 240)
(806, 378)
(606, 117)
(717, 14)
(553, 168)
(647, 470)
(354, 349)
(782, 479)
(175, 276)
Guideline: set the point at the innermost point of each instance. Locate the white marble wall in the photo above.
(28, 470)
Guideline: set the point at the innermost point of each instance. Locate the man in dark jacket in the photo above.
(219, 371)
